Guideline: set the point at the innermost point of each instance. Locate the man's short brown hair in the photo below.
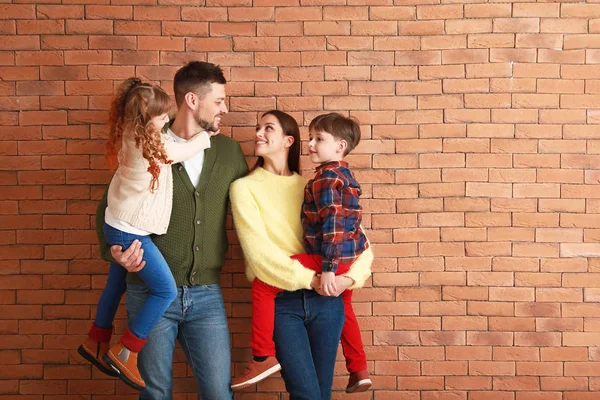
(339, 127)
(196, 77)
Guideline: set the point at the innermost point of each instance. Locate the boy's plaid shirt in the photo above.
(331, 216)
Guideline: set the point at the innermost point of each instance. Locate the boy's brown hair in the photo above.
(339, 127)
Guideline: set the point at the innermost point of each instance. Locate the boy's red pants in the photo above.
(263, 318)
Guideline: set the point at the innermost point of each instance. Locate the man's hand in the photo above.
(130, 259)
(328, 284)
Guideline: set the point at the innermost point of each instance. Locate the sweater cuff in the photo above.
(204, 138)
(355, 280)
(306, 276)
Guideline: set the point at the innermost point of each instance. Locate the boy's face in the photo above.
(323, 147)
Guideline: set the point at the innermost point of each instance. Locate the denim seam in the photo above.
(190, 359)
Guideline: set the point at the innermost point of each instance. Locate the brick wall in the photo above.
(479, 168)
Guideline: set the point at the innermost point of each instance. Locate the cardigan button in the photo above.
(197, 194)
(179, 168)
(197, 248)
(197, 222)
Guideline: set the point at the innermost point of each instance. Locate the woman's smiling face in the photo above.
(270, 139)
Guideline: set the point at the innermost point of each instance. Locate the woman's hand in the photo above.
(328, 285)
(130, 259)
(315, 283)
(342, 283)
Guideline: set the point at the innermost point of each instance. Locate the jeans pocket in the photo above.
(212, 287)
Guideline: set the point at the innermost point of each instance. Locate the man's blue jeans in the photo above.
(307, 333)
(156, 274)
(197, 319)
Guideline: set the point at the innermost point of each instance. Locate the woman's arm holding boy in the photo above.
(267, 261)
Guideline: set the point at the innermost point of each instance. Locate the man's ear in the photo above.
(191, 100)
(289, 141)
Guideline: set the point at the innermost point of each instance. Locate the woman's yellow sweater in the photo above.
(266, 211)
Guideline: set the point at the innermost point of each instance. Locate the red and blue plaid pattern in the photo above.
(331, 216)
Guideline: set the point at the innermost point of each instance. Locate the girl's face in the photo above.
(270, 141)
(160, 121)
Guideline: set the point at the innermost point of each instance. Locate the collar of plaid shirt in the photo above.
(334, 164)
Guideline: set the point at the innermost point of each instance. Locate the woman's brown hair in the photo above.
(132, 110)
(290, 128)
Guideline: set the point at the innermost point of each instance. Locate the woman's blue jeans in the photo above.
(307, 333)
(156, 275)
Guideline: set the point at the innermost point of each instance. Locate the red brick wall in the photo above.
(479, 168)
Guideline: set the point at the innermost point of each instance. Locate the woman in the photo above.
(266, 209)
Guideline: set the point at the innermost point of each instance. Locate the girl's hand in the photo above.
(328, 284)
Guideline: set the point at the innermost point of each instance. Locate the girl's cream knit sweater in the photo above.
(129, 196)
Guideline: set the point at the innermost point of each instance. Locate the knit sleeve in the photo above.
(104, 246)
(264, 259)
(242, 166)
(181, 151)
(360, 270)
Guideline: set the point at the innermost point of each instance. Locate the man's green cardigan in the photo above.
(196, 242)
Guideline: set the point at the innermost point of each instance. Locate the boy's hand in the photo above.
(328, 284)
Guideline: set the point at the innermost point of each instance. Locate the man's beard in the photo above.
(206, 125)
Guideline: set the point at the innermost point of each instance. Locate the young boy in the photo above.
(333, 239)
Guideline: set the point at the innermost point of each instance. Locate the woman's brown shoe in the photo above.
(255, 372)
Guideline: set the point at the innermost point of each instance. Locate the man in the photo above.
(194, 246)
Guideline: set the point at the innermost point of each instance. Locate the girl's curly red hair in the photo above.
(132, 110)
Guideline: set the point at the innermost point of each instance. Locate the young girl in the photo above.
(140, 199)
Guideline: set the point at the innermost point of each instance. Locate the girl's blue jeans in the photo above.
(155, 274)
